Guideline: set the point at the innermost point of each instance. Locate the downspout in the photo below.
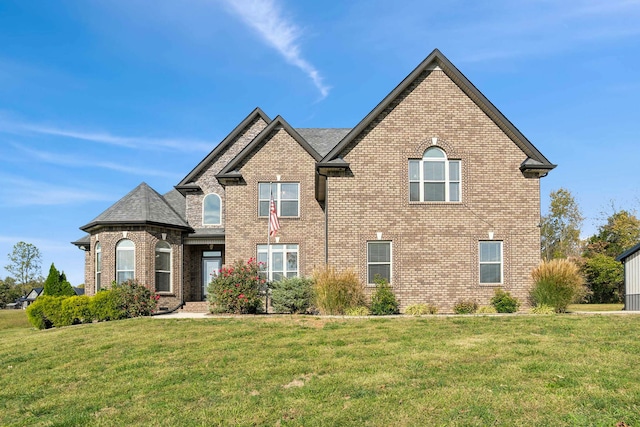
(326, 218)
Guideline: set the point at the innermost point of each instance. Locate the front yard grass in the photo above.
(594, 307)
(312, 371)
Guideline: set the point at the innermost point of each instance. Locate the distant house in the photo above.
(434, 190)
(36, 292)
(631, 261)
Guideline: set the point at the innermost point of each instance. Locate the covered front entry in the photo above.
(211, 265)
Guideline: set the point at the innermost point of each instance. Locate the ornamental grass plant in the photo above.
(557, 283)
(336, 292)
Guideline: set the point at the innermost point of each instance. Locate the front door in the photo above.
(211, 265)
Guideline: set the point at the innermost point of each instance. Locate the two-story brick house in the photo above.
(434, 189)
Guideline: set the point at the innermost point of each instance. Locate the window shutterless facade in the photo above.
(378, 261)
(491, 265)
(286, 196)
(98, 265)
(163, 267)
(212, 210)
(434, 178)
(283, 262)
(125, 261)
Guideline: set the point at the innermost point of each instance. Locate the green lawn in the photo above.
(11, 319)
(595, 307)
(508, 370)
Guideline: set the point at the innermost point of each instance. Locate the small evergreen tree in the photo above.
(383, 301)
(57, 284)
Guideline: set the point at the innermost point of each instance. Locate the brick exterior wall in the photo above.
(145, 240)
(435, 245)
(207, 179)
(280, 155)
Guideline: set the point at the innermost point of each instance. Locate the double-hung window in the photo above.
(286, 196)
(434, 178)
(98, 265)
(283, 262)
(163, 267)
(491, 268)
(125, 261)
(378, 261)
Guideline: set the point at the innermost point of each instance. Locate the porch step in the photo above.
(195, 307)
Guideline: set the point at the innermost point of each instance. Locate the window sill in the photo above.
(491, 285)
(416, 202)
(166, 294)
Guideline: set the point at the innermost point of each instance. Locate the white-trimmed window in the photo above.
(491, 270)
(378, 261)
(434, 178)
(286, 195)
(212, 210)
(163, 267)
(125, 260)
(98, 264)
(284, 261)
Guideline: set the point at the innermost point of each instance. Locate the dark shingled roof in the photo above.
(177, 201)
(323, 139)
(143, 205)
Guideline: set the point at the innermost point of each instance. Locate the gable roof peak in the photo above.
(278, 123)
(257, 113)
(437, 61)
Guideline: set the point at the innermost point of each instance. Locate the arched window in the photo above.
(211, 210)
(98, 264)
(434, 178)
(125, 261)
(163, 267)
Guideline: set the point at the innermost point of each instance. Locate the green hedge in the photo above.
(129, 299)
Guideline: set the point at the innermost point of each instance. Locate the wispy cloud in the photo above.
(76, 161)
(265, 16)
(21, 192)
(8, 125)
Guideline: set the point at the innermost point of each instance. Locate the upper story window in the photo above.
(434, 178)
(98, 265)
(211, 210)
(163, 267)
(286, 195)
(490, 262)
(125, 261)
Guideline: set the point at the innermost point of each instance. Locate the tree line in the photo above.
(595, 255)
(25, 268)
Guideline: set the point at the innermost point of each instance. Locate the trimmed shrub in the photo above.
(465, 307)
(557, 283)
(106, 305)
(75, 310)
(420, 309)
(542, 309)
(503, 302)
(487, 309)
(383, 300)
(358, 311)
(36, 314)
(292, 295)
(237, 289)
(337, 292)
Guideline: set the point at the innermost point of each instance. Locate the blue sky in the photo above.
(98, 96)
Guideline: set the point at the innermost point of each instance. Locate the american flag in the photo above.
(274, 224)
